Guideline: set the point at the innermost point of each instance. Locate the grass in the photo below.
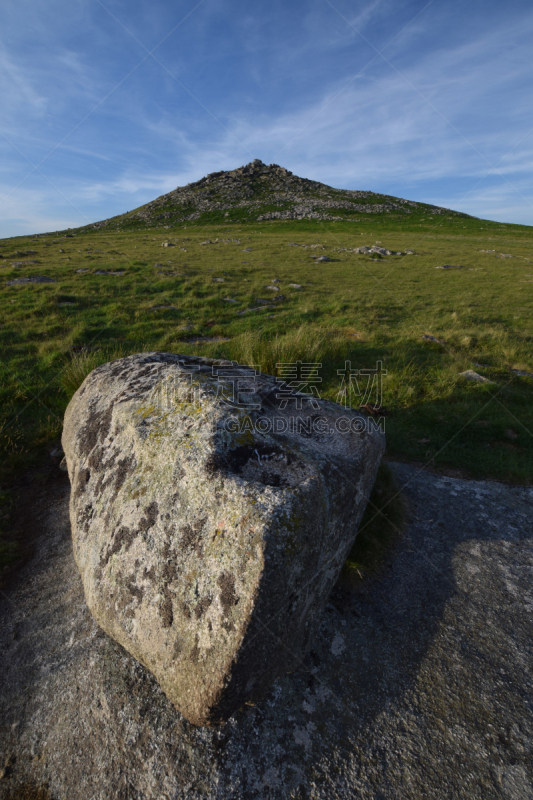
(354, 308)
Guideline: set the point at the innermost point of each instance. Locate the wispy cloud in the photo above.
(431, 124)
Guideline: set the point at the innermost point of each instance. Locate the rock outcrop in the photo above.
(259, 192)
(212, 509)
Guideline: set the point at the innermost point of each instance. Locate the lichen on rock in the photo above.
(209, 525)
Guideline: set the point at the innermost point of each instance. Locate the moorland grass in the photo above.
(353, 308)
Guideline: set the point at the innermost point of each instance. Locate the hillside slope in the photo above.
(258, 193)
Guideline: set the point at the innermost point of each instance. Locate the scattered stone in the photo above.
(475, 377)
(256, 308)
(295, 285)
(108, 272)
(430, 338)
(505, 255)
(229, 300)
(247, 250)
(449, 266)
(322, 258)
(168, 244)
(272, 288)
(382, 251)
(521, 372)
(82, 271)
(209, 555)
(219, 280)
(408, 253)
(33, 279)
(24, 263)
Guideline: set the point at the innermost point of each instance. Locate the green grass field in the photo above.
(189, 298)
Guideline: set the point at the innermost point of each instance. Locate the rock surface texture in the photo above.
(416, 688)
(209, 535)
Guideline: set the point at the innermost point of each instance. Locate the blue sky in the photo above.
(106, 104)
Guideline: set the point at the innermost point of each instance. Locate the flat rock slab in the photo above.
(419, 687)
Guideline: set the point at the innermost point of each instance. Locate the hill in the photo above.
(258, 193)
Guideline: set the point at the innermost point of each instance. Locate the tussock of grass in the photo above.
(82, 364)
(267, 351)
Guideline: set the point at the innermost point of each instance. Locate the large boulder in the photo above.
(212, 510)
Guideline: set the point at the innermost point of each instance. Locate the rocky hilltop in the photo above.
(258, 193)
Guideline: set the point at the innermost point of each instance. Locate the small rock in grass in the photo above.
(229, 300)
(272, 288)
(449, 266)
(24, 263)
(295, 285)
(256, 308)
(82, 271)
(430, 338)
(219, 280)
(33, 279)
(475, 377)
(322, 258)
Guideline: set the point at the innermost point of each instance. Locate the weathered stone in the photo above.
(33, 279)
(475, 377)
(207, 548)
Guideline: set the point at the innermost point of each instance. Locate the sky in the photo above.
(106, 104)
